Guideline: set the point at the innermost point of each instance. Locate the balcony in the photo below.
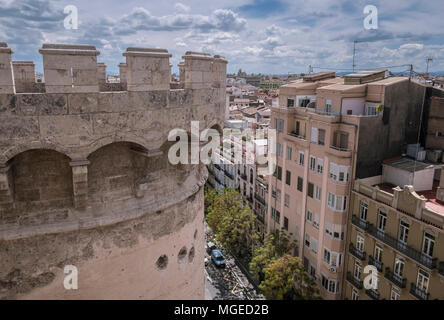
(372, 293)
(376, 263)
(297, 135)
(259, 198)
(356, 252)
(418, 293)
(229, 175)
(244, 176)
(441, 268)
(218, 180)
(260, 217)
(250, 199)
(394, 278)
(360, 223)
(418, 256)
(217, 166)
(355, 282)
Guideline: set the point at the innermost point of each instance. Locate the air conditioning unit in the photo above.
(333, 269)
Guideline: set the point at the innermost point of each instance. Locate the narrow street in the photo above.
(227, 283)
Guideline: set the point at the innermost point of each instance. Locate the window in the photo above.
(303, 103)
(279, 149)
(312, 271)
(273, 191)
(310, 189)
(314, 245)
(290, 103)
(395, 294)
(301, 158)
(289, 153)
(429, 243)
(399, 267)
(422, 283)
(328, 105)
(326, 255)
(287, 200)
(355, 295)
(309, 216)
(382, 221)
(334, 230)
(363, 208)
(335, 259)
(337, 203)
(331, 286)
(286, 223)
(403, 232)
(314, 135)
(312, 163)
(316, 220)
(307, 240)
(251, 176)
(288, 177)
(278, 195)
(318, 193)
(300, 184)
(378, 253)
(360, 243)
(320, 165)
(279, 173)
(279, 125)
(338, 173)
(275, 215)
(357, 271)
(321, 137)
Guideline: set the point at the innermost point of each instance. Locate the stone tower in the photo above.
(85, 179)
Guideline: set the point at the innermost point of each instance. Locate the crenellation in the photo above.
(6, 70)
(70, 68)
(101, 73)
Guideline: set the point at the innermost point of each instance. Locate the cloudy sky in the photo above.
(273, 37)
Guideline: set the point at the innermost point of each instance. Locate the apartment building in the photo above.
(328, 129)
(396, 225)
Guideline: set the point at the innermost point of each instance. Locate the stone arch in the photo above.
(41, 182)
(125, 137)
(15, 150)
(115, 170)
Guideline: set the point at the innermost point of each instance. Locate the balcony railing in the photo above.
(418, 293)
(416, 255)
(394, 278)
(372, 293)
(259, 217)
(356, 252)
(357, 283)
(376, 263)
(297, 135)
(217, 166)
(360, 223)
(228, 174)
(259, 198)
(327, 113)
(340, 148)
(218, 180)
(441, 268)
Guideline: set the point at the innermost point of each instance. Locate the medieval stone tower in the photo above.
(85, 178)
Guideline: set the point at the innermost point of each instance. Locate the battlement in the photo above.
(70, 68)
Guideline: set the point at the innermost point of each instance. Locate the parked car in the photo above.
(218, 258)
(210, 247)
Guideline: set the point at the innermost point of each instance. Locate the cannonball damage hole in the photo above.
(191, 255)
(182, 254)
(162, 262)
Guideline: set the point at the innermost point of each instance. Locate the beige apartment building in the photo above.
(327, 132)
(398, 230)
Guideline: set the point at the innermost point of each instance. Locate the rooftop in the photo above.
(407, 164)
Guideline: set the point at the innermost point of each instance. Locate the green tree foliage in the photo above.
(285, 278)
(232, 222)
(276, 244)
